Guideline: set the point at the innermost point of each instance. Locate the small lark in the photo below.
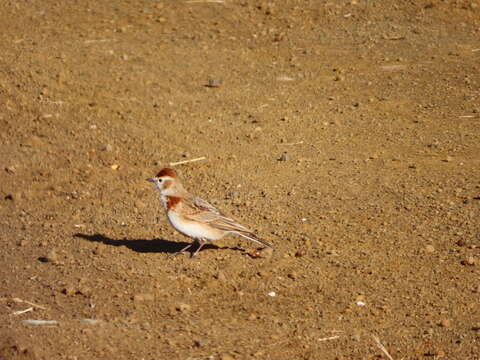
(193, 216)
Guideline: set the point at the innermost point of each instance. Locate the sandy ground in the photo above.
(347, 133)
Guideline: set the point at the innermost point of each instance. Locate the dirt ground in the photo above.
(347, 133)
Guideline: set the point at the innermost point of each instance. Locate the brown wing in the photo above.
(205, 212)
(200, 210)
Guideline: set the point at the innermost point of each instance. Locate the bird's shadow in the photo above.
(146, 246)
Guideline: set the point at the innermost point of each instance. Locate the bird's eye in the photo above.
(159, 180)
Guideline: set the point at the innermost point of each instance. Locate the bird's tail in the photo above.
(253, 237)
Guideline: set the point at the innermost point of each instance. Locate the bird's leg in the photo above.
(184, 249)
(201, 243)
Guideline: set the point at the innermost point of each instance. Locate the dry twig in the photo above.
(19, 312)
(18, 300)
(380, 345)
(187, 161)
(329, 338)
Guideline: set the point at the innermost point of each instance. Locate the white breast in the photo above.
(193, 229)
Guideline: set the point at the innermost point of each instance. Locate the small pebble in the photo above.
(114, 167)
(440, 353)
(69, 291)
(22, 242)
(266, 252)
(446, 323)
(272, 294)
(221, 276)
(200, 342)
(461, 242)
(469, 261)
(51, 257)
(232, 194)
(143, 297)
(183, 307)
(226, 357)
(284, 157)
(429, 249)
(214, 83)
(300, 253)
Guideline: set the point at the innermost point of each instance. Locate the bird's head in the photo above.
(166, 181)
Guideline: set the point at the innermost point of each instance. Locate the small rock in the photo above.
(429, 249)
(183, 307)
(10, 169)
(300, 253)
(87, 331)
(114, 166)
(107, 147)
(51, 257)
(440, 353)
(200, 342)
(221, 276)
(284, 157)
(214, 83)
(232, 194)
(34, 141)
(226, 357)
(446, 323)
(139, 204)
(470, 261)
(461, 242)
(69, 291)
(143, 297)
(265, 253)
(448, 159)
(360, 298)
(9, 197)
(22, 243)
(84, 290)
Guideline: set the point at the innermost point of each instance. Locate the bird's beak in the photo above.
(150, 179)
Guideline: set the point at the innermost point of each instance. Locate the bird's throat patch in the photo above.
(172, 201)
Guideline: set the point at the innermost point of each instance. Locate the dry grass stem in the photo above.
(19, 312)
(40, 322)
(329, 338)
(97, 40)
(293, 143)
(187, 161)
(18, 300)
(380, 345)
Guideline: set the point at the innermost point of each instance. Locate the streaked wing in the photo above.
(204, 212)
(197, 209)
(202, 205)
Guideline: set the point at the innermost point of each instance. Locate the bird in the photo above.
(195, 217)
